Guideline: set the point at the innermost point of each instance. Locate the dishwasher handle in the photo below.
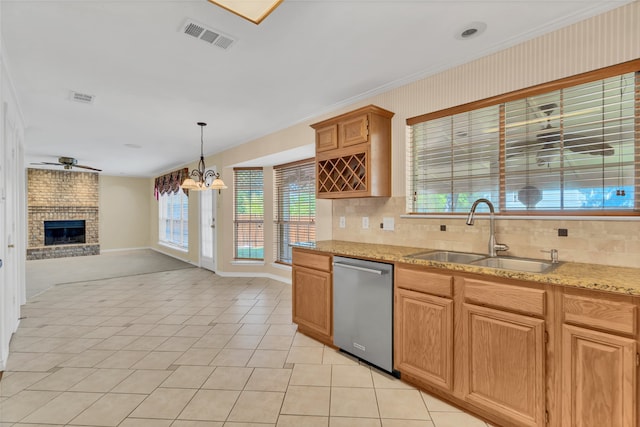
(356, 267)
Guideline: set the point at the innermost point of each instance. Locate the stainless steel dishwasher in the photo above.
(363, 310)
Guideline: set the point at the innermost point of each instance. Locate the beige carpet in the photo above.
(43, 274)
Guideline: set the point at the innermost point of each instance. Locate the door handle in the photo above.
(355, 267)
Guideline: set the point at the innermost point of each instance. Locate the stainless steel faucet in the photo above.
(493, 246)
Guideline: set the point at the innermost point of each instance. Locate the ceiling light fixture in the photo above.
(202, 178)
(254, 11)
(472, 30)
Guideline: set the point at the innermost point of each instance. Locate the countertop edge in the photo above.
(617, 280)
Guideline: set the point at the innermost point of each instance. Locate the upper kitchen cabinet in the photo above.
(353, 154)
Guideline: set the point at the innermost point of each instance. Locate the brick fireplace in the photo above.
(60, 195)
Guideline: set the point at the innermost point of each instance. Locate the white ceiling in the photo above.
(152, 83)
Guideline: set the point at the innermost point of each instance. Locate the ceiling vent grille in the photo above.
(81, 97)
(208, 35)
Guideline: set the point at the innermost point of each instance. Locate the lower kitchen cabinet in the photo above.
(424, 330)
(598, 378)
(599, 361)
(504, 357)
(475, 340)
(312, 295)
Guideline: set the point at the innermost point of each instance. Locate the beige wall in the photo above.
(125, 209)
(605, 40)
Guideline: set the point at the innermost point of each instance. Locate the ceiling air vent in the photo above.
(209, 35)
(81, 97)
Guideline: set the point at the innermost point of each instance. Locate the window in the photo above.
(295, 207)
(248, 214)
(173, 214)
(455, 161)
(572, 148)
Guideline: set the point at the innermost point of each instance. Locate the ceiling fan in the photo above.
(68, 163)
(550, 138)
(575, 142)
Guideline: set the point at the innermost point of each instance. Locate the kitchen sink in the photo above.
(480, 260)
(448, 256)
(516, 264)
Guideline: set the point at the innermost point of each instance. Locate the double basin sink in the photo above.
(504, 263)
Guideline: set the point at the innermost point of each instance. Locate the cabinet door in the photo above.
(311, 294)
(354, 131)
(424, 332)
(504, 367)
(598, 379)
(327, 138)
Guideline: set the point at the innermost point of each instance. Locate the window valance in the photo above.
(170, 183)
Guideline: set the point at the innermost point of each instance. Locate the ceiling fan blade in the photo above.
(46, 163)
(588, 145)
(87, 167)
(578, 143)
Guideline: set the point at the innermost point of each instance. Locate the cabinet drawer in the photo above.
(423, 281)
(510, 297)
(615, 316)
(312, 260)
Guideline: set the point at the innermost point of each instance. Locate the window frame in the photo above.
(281, 220)
(255, 218)
(632, 66)
(165, 201)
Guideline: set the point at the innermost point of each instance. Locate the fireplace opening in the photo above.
(64, 232)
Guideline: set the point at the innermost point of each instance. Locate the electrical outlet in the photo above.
(343, 222)
(365, 222)
(388, 223)
(443, 228)
(563, 232)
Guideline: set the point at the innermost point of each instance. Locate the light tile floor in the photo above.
(187, 348)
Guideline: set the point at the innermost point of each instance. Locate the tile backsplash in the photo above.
(615, 242)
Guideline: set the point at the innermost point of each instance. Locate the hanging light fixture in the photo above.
(201, 179)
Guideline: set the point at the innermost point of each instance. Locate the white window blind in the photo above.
(248, 213)
(173, 219)
(295, 207)
(453, 161)
(574, 149)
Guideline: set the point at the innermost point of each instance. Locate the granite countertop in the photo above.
(619, 280)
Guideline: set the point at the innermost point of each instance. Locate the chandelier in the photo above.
(202, 179)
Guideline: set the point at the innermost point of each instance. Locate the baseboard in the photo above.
(245, 274)
(125, 249)
(173, 256)
(230, 273)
